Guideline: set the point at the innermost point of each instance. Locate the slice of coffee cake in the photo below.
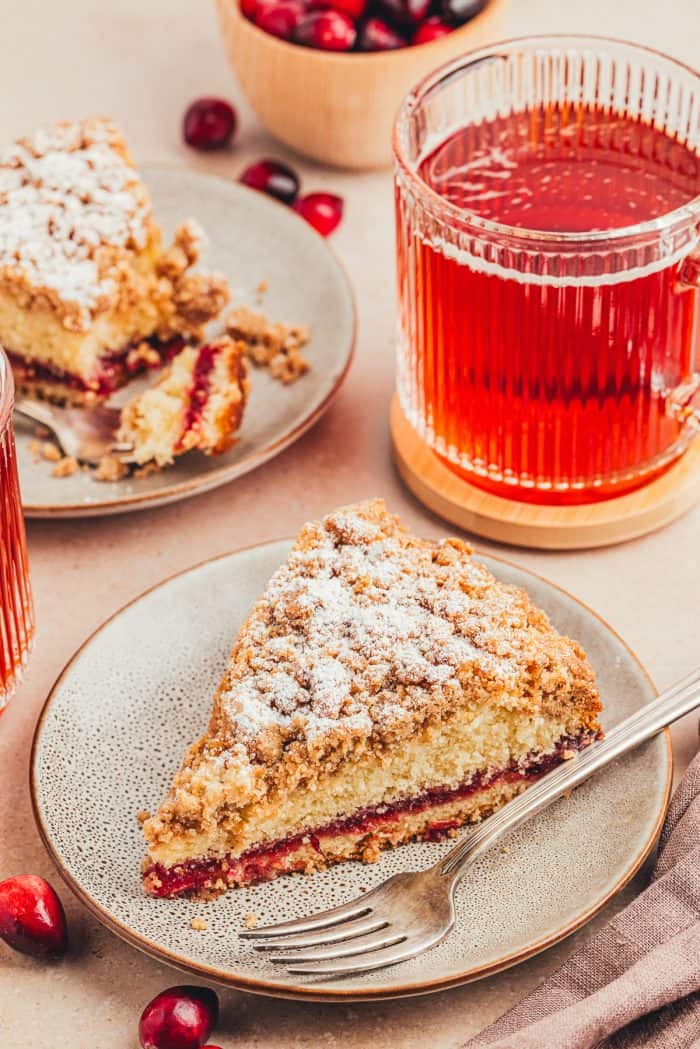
(89, 294)
(384, 688)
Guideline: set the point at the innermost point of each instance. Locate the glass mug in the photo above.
(548, 327)
(16, 609)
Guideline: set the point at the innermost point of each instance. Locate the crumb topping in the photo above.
(274, 346)
(364, 627)
(68, 195)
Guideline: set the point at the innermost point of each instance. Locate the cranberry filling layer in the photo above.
(199, 390)
(116, 367)
(265, 861)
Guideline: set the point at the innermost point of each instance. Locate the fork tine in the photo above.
(377, 959)
(327, 935)
(356, 908)
(360, 945)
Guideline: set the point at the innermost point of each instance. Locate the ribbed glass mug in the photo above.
(16, 610)
(552, 365)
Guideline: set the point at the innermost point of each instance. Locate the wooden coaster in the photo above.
(544, 527)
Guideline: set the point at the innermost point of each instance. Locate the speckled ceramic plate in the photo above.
(119, 718)
(251, 239)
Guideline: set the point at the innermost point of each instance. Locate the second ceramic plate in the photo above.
(119, 719)
(251, 239)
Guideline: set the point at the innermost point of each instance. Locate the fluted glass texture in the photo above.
(550, 354)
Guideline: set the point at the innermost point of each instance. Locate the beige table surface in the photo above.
(142, 61)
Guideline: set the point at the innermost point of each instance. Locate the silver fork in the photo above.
(86, 434)
(411, 912)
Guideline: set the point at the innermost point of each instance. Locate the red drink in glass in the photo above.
(549, 311)
(16, 610)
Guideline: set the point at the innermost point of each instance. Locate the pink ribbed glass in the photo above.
(545, 356)
(16, 610)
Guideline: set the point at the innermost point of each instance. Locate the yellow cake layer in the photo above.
(442, 755)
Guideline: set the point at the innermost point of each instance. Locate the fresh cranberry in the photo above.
(179, 1018)
(376, 35)
(279, 17)
(250, 8)
(323, 211)
(274, 178)
(457, 12)
(32, 919)
(210, 123)
(354, 9)
(431, 29)
(406, 14)
(327, 30)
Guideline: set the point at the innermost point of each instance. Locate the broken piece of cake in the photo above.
(197, 402)
(383, 689)
(89, 294)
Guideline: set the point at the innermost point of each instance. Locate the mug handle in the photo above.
(684, 401)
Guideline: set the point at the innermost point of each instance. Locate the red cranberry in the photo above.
(274, 178)
(327, 30)
(457, 12)
(279, 17)
(250, 8)
(405, 13)
(431, 29)
(210, 123)
(32, 919)
(323, 211)
(376, 35)
(179, 1018)
(354, 9)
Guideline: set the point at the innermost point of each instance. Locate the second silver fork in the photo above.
(87, 434)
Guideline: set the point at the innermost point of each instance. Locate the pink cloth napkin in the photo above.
(637, 982)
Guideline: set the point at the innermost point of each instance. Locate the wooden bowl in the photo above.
(338, 108)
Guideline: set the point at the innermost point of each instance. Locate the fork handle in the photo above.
(680, 699)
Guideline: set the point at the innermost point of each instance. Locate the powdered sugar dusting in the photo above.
(66, 193)
(363, 627)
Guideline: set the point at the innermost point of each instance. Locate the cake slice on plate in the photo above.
(198, 402)
(89, 294)
(384, 688)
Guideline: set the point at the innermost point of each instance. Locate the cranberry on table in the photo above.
(354, 9)
(279, 17)
(250, 8)
(377, 35)
(179, 1018)
(323, 211)
(327, 30)
(432, 29)
(32, 919)
(405, 13)
(274, 178)
(209, 123)
(457, 12)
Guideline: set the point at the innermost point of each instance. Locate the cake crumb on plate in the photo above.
(65, 467)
